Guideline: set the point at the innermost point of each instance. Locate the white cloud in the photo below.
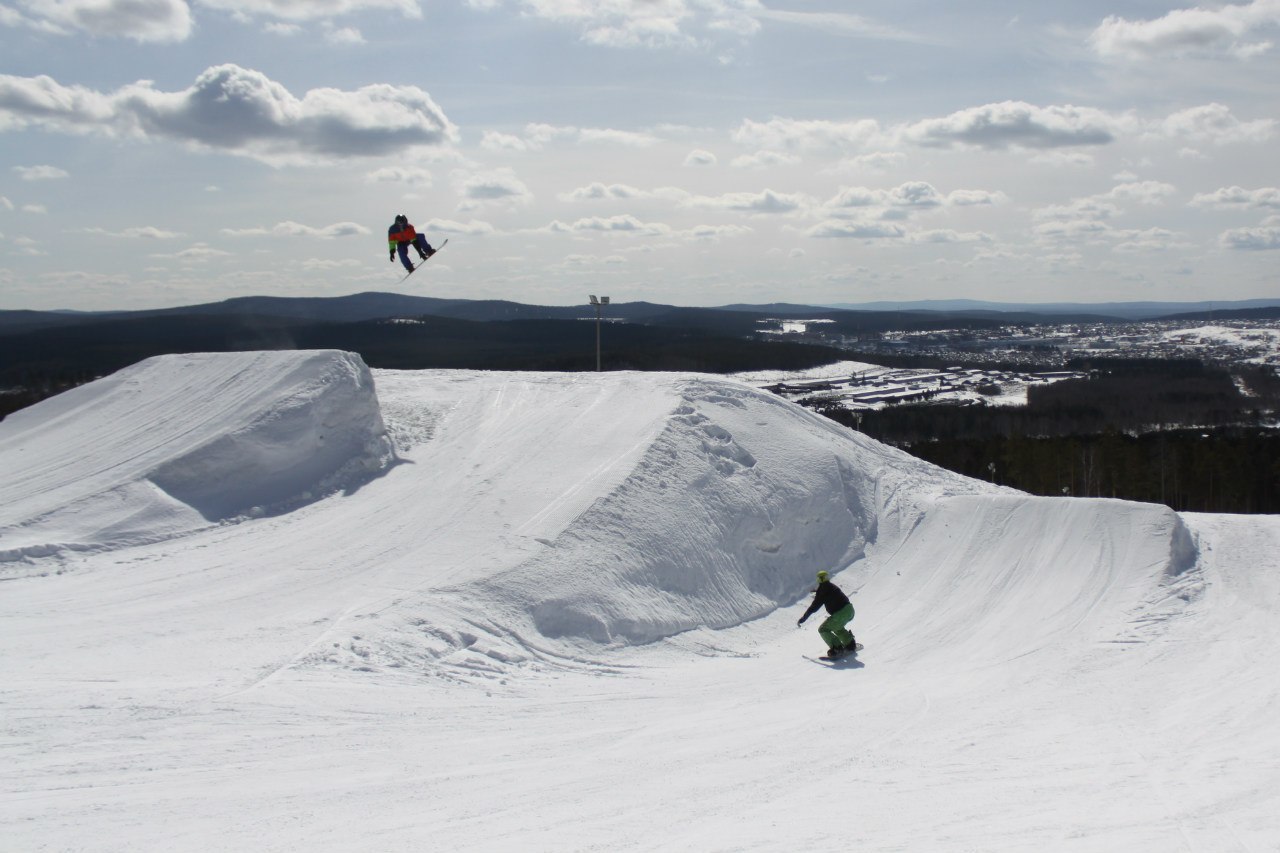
(1064, 159)
(625, 224)
(197, 253)
(1215, 123)
(495, 141)
(498, 185)
(239, 111)
(1073, 229)
(296, 229)
(766, 202)
(877, 162)
(414, 176)
(915, 194)
(997, 126)
(587, 261)
(41, 173)
(1088, 219)
(1223, 31)
(765, 159)
(538, 135)
(969, 198)
(805, 134)
(713, 233)
(598, 191)
(1263, 238)
(1011, 124)
(842, 23)
(322, 265)
(474, 228)
(688, 23)
(947, 235)
(28, 246)
(1149, 240)
(344, 35)
(651, 23)
(1229, 197)
(309, 10)
(867, 204)
(698, 157)
(5, 203)
(615, 137)
(140, 20)
(1096, 208)
(145, 232)
(1143, 192)
(857, 230)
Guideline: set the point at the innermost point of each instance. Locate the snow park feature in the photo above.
(277, 601)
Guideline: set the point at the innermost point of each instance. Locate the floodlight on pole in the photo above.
(599, 303)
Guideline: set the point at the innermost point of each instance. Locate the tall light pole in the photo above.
(599, 303)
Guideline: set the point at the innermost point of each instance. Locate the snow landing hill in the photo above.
(274, 601)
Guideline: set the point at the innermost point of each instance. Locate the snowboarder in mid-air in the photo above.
(401, 235)
(839, 639)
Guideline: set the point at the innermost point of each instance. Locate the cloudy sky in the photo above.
(696, 152)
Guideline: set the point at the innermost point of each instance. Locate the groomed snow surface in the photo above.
(274, 601)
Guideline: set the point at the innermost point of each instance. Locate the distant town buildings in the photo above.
(1042, 350)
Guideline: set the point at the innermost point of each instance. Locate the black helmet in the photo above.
(400, 217)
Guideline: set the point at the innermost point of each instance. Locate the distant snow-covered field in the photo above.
(276, 601)
(1259, 344)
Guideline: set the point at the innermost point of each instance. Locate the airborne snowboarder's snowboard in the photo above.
(418, 266)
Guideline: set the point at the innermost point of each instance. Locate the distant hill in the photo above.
(344, 309)
(735, 320)
(919, 314)
(1239, 314)
(94, 349)
(23, 320)
(1121, 310)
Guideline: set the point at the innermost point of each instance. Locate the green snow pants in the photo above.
(833, 628)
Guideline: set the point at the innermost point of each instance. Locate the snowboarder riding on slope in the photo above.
(401, 235)
(839, 638)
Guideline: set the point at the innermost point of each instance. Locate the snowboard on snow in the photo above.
(833, 658)
(419, 264)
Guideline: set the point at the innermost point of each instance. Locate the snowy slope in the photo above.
(174, 443)
(560, 616)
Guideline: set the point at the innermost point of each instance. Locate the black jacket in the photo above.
(829, 595)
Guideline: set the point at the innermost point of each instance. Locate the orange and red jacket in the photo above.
(404, 235)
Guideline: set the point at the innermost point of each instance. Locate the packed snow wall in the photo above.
(178, 442)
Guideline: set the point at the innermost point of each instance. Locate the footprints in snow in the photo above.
(725, 454)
